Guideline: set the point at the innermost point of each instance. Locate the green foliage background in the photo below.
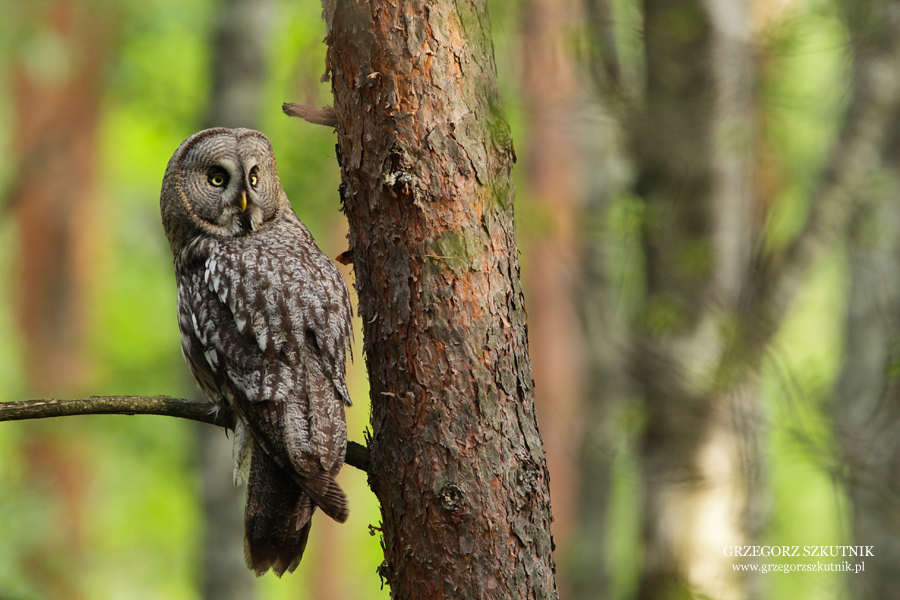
(140, 473)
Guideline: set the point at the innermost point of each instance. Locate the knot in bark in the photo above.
(527, 479)
(453, 498)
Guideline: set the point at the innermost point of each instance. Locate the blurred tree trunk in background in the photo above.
(694, 151)
(607, 254)
(607, 390)
(240, 58)
(57, 89)
(552, 171)
(456, 457)
(57, 98)
(867, 407)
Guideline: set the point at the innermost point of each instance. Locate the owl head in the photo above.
(220, 182)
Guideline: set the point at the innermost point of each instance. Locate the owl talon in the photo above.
(222, 415)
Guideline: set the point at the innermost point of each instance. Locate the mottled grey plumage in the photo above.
(265, 327)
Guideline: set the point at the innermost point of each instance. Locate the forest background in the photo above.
(780, 116)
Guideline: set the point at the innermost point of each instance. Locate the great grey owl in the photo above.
(265, 326)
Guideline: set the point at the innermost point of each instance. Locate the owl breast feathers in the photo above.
(265, 324)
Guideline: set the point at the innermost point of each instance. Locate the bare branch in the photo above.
(202, 412)
(357, 456)
(317, 116)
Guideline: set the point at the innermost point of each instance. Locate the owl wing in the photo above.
(290, 299)
(271, 323)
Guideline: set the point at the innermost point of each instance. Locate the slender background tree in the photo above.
(865, 407)
(57, 109)
(240, 61)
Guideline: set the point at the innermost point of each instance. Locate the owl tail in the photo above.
(328, 495)
(277, 518)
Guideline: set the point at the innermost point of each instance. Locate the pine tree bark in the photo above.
(456, 458)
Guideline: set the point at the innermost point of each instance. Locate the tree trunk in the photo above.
(606, 293)
(867, 407)
(240, 62)
(715, 294)
(456, 458)
(239, 67)
(693, 139)
(552, 174)
(57, 103)
(57, 97)
(608, 391)
(867, 411)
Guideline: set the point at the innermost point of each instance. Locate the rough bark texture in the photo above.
(456, 457)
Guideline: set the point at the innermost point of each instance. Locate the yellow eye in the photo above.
(217, 179)
(254, 180)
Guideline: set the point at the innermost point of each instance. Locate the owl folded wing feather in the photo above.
(285, 299)
(275, 359)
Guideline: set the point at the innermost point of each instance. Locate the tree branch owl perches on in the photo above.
(265, 327)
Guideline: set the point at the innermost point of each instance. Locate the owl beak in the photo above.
(243, 201)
